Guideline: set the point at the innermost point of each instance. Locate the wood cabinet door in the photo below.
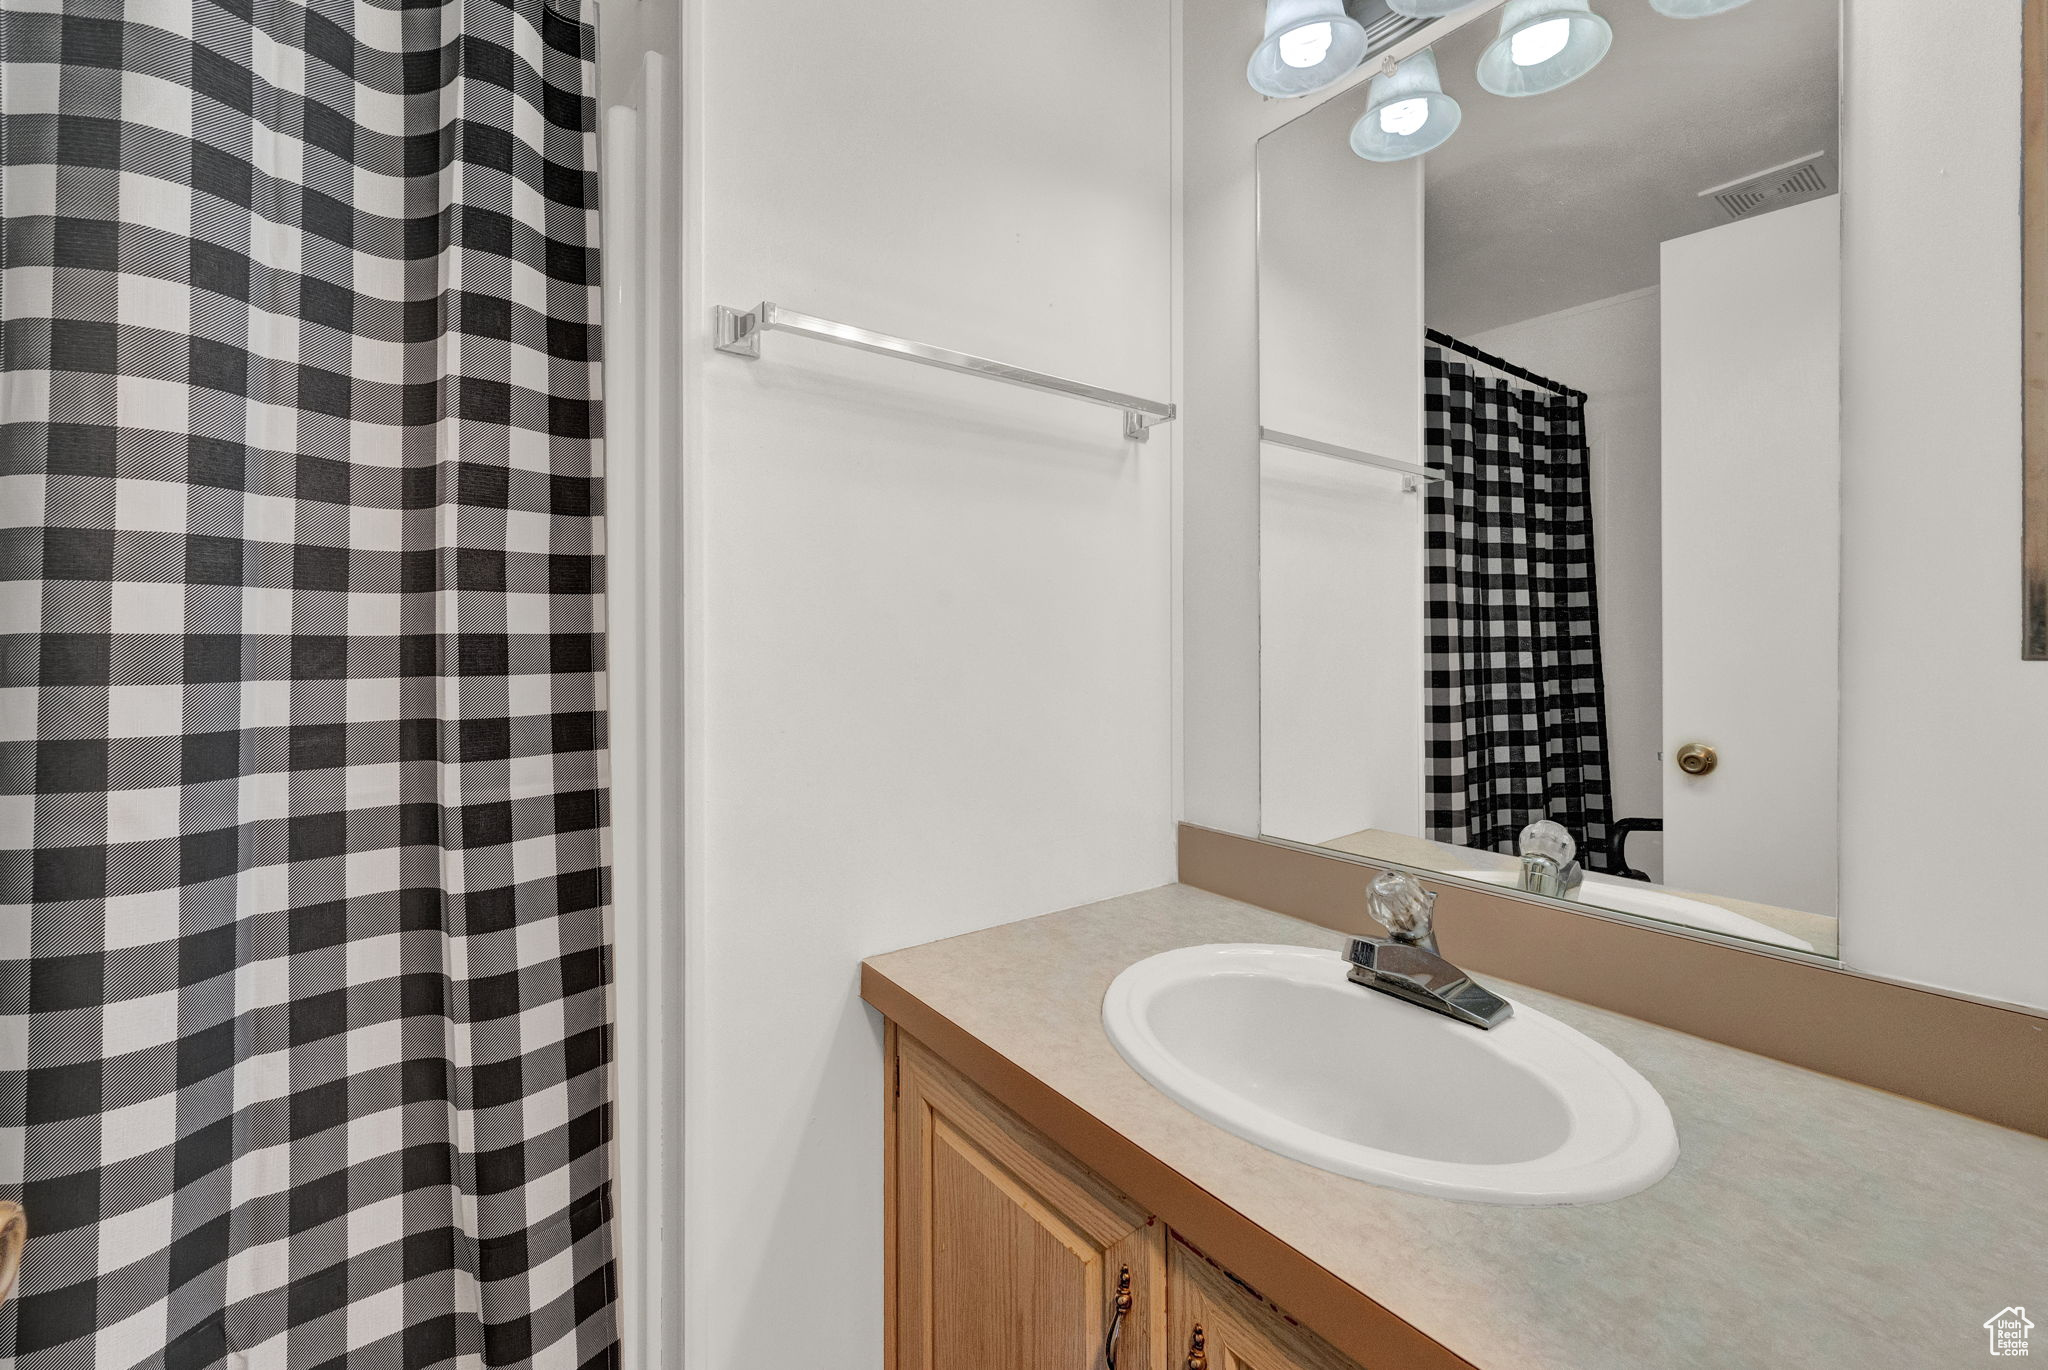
(1007, 1255)
(1214, 1323)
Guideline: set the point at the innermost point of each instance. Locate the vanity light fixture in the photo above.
(1406, 112)
(1309, 44)
(1694, 9)
(1427, 9)
(1543, 44)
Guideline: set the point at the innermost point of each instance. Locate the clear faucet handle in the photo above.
(1547, 839)
(1399, 904)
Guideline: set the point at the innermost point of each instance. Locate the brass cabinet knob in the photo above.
(1696, 758)
(1198, 1349)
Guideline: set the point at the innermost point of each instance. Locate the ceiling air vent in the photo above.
(1807, 178)
(1383, 27)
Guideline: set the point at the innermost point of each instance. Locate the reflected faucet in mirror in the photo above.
(1549, 866)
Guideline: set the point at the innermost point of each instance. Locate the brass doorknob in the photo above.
(1696, 758)
(13, 1232)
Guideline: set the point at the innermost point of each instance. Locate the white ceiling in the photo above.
(1542, 203)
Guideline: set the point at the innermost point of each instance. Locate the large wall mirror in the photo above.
(1551, 476)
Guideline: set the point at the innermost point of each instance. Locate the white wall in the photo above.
(1944, 728)
(1752, 554)
(1221, 121)
(1340, 361)
(1609, 349)
(1340, 288)
(935, 681)
(1340, 649)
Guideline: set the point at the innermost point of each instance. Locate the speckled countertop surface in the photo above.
(1809, 1222)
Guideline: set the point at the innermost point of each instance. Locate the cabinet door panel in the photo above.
(1012, 1281)
(1008, 1256)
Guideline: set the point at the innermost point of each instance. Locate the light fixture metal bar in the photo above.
(739, 333)
(1416, 474)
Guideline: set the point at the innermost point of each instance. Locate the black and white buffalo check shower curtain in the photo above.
(1516, 725)
(303, 976)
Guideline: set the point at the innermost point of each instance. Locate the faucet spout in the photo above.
(1407, 964)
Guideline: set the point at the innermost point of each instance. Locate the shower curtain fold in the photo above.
(304, 1022)
(1514, 692)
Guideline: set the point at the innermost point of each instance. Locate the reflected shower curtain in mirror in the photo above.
(303, 971)
(1516, 716)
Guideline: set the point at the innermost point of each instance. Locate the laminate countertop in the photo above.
(1808, 1222)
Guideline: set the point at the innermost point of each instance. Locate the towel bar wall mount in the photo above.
(1413, 476)
(739, 334)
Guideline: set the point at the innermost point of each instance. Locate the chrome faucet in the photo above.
(1547, 849)
(1406, 963)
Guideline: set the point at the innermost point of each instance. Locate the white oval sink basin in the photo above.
(1647, 901)
(1276, 1045)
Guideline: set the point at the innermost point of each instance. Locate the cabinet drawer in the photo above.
(1214, 1323)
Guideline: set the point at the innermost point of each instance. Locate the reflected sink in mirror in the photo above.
(1786, 929)
(1647, 901)
(1275, 1045)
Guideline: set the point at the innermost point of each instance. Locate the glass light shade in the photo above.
(1427, 9)
(1309, 44)
(1543, 44)
(1695, 9)
(1406, 113)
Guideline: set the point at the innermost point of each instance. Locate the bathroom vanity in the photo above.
(1010, 1252)
(1034, 1177)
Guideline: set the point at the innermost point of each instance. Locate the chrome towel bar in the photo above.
(1417, 476)
(740, 334)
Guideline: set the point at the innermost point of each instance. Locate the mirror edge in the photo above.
(2034, 610)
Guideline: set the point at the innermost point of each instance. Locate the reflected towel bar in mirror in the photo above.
(739, 333)
(1417, 476)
